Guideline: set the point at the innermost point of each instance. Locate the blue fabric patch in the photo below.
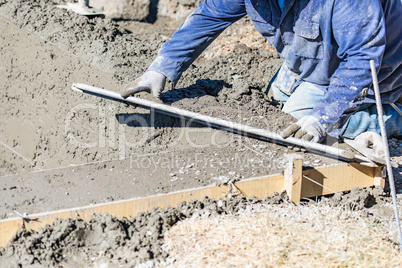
(281, 3)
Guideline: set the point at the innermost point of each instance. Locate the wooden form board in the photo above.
(338, 178)
(293, 178)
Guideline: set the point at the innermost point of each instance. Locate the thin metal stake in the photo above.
(386, 148)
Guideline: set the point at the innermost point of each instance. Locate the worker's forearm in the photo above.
(210, 19)
(345, 94)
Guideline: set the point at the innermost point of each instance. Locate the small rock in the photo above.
(190, 165)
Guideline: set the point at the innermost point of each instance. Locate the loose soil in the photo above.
(61, 149)
(104, 238)
(261, 235)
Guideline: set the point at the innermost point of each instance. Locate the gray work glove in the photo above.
(151, 82)
(307, 128)
(372, 140)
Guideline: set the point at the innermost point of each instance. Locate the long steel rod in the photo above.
(386, 148)
(230, 126)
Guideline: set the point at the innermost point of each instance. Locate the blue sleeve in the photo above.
(209, 20)
(359, 31)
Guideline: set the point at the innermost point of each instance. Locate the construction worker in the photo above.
(325, 80)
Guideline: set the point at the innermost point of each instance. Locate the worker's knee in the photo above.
(304, 99)
(298, 100)
(277, 94)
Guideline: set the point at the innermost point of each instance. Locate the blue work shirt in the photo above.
(325, 42)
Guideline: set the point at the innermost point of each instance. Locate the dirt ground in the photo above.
(61, 149)
(49, 132)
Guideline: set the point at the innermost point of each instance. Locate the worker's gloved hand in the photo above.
(150, 81)
(307, 128)
(372, 140)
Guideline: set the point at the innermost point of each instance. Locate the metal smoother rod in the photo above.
(222, 124)
(386, 148)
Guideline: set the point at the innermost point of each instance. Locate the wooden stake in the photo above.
(293, 178)
(379, 180)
